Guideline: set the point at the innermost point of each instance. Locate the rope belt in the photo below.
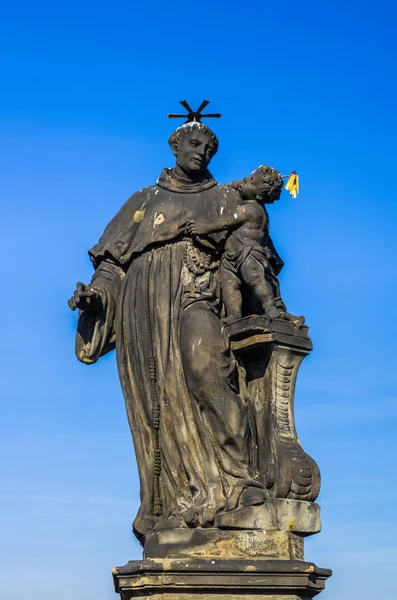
(157, 502)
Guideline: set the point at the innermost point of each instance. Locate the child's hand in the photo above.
(196, 228)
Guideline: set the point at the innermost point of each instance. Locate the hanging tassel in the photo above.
(293, 184)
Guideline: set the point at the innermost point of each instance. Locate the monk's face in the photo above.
(194, 152)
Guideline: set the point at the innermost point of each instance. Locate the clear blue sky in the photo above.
(85, 91)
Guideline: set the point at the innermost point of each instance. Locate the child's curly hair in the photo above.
(270, 183)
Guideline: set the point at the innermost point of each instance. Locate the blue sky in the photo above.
(85, 92)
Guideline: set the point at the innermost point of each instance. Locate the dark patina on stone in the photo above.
(270, 352)
(186, 291)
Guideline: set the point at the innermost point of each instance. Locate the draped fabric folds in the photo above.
(161, 306)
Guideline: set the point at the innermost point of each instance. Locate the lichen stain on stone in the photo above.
(168, 563)
(228, 548)
(220, 549)
(138, 216)
(249, 568)
(291, 524)
(159, 219)
(309, 569)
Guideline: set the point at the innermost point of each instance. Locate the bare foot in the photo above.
(273, 312)
(230, 319)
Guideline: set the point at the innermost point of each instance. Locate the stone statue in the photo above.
(247, 258)
(207, 379)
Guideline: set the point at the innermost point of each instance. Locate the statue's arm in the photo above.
(199, 228)
(239, 217)
(97, 302)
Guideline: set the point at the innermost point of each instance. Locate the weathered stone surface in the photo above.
(296, 516)
(216, 596)
(215, 543)
(271, 352)
(186, 290)
(179, 271)
(258, 329)
(221, 579)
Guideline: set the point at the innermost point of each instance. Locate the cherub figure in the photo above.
(246, 258)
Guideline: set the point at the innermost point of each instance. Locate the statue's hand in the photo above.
(85, 298)
(196, 228)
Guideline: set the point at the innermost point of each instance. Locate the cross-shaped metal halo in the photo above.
(194, 115)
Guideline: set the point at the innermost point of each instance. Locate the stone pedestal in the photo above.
(215, 543)
(255, 552)
(219, 579)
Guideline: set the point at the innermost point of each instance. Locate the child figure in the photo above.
(246, 258)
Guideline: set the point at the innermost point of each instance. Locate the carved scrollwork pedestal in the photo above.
(270, 353)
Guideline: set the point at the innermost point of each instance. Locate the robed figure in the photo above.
(155, 297)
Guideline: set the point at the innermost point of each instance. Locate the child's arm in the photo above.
(197, 228)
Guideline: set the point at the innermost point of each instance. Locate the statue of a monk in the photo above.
(155, 297)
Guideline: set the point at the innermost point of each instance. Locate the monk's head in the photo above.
(193, 144)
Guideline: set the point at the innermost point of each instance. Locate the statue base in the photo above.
(219, 579)
(254, 552)
(275, 529)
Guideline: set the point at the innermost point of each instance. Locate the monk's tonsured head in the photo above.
(193, 144)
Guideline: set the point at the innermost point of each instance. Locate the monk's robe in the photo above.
(161, 311)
